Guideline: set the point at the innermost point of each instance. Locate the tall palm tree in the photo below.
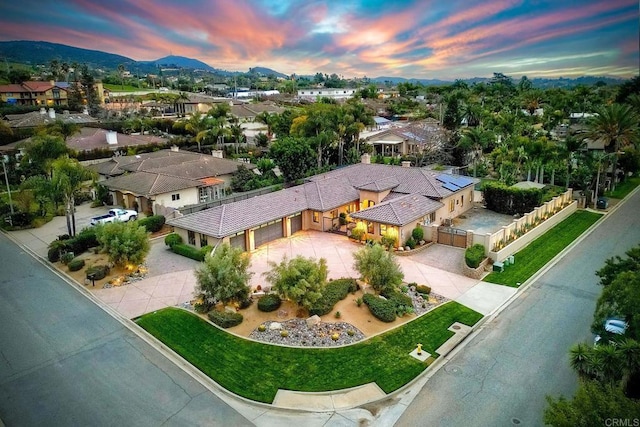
(267, 119)
(69, 176)
(474, 140)
(580, 359)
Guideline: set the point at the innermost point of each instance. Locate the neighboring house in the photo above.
(411, 139)
(92, 138)
(333, 93)
(165, 180)
(386, 199)
(196, 103)
(44, 117)
(248, 112)
(34, 93)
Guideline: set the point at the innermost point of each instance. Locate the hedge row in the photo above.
(509, 200)
(474, 255)
(381, 309)
(333, 292)
(84, 240)
(188, 251)
(225, 319)
(269, 302)
(401, 302)
(152, 223)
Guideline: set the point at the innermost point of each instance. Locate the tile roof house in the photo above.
(381, 197)
(34, 93)
(165, 180)
(410, 139)
(44, 117)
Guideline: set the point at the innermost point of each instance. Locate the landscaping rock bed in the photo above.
(429, 301)
(298, 333)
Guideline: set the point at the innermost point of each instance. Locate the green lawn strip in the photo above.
(256, 370)
(623, 188)
(119, 88)
(543, 249)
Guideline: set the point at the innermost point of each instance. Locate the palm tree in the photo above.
(69, 176)
(630, 356)
(616, 126)
(474, 140)
(268, 120)
(64, 129)
(580, 359)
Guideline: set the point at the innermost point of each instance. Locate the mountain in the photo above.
(267, 72)
(396, 80)
(29, 52)
(173, 61)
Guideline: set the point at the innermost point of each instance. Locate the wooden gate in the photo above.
(452, 237)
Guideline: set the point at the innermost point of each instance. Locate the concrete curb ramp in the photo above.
(328, 401)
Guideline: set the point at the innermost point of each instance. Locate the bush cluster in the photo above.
(99, 272)
(417, 234)
(509, 200)
(66, 258)
(333, 292)
(269, 302)
(381, 309)
(225, 319)
(474, 255)
(84, 240)
(188, 251)
(401, 302)
(411, 243)
(172, 239)
(152, 223)
(75, 264)
(423, 289)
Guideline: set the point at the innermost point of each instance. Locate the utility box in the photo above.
(511, 259)
(498, 266)
(603, 203)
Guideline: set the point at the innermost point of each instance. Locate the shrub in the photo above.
(75, 264)
(474, 255)
(381, 309)
(84, 240)
(333, 292)
(417, 234)
(21, 219)
(423, 289)
(245, 303)
(359, 233)
(66, 257)
(152, 223)
(402, 303)
(56, 248)
(411, 243)
(224, 319)
(338, 315)
(172, 239)
(389, 240)
(269, 302)
(284, 333)
(188, 251)
(205, 250)
(99, 272)
(262, 327)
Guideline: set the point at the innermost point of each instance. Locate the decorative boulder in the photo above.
(275, 326)
(313, 320)
(229, 309)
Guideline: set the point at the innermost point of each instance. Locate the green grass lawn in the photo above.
(119, 88)
(623, 188)
(543, 249)
(256, 370)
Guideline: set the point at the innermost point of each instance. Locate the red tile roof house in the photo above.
(383, 197)
(165, 180)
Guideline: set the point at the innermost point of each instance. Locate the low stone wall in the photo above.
(413, 251)
(476, 273)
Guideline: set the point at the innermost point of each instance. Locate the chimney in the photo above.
(217, 154)
(175, 148)
(112, 137)
(52, 82)
(366, 159)
(43, 110)
(406, 164)
(52, 113)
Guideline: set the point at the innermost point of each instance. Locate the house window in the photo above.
(452, 205)
(175, 197)
(191, 237)
(370, 227)
(462, 200)
(383, 229)
(203, 240)
(316, 216)
(368, 203)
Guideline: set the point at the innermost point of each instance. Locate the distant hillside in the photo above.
(267, 72)
(173, 61)
(29, 52)
(541, 83)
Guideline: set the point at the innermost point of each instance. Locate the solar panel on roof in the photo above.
(460, 181)
(450, 187)
(444, 178)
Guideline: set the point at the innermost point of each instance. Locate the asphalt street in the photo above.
(66, 362)
(501, 377)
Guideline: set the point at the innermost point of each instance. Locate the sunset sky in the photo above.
(421, 39)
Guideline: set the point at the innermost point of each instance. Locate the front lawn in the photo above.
(623, 188)
(543, 249)
(256, 370)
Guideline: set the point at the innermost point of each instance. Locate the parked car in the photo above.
(614, 326)
(115, 215)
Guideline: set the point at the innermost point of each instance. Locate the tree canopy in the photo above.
(124, 242)
(378, 267)
(300, 279)
(224, 276)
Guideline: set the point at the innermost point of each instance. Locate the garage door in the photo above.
(296, 223)
(268, 232)
(238, 241)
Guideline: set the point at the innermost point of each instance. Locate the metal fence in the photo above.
(229, 199)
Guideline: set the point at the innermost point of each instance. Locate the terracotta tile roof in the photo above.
(149, 183)
(400, 210)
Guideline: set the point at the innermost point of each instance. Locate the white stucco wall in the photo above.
(188, 196)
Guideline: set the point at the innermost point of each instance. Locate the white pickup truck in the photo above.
(115, 215)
